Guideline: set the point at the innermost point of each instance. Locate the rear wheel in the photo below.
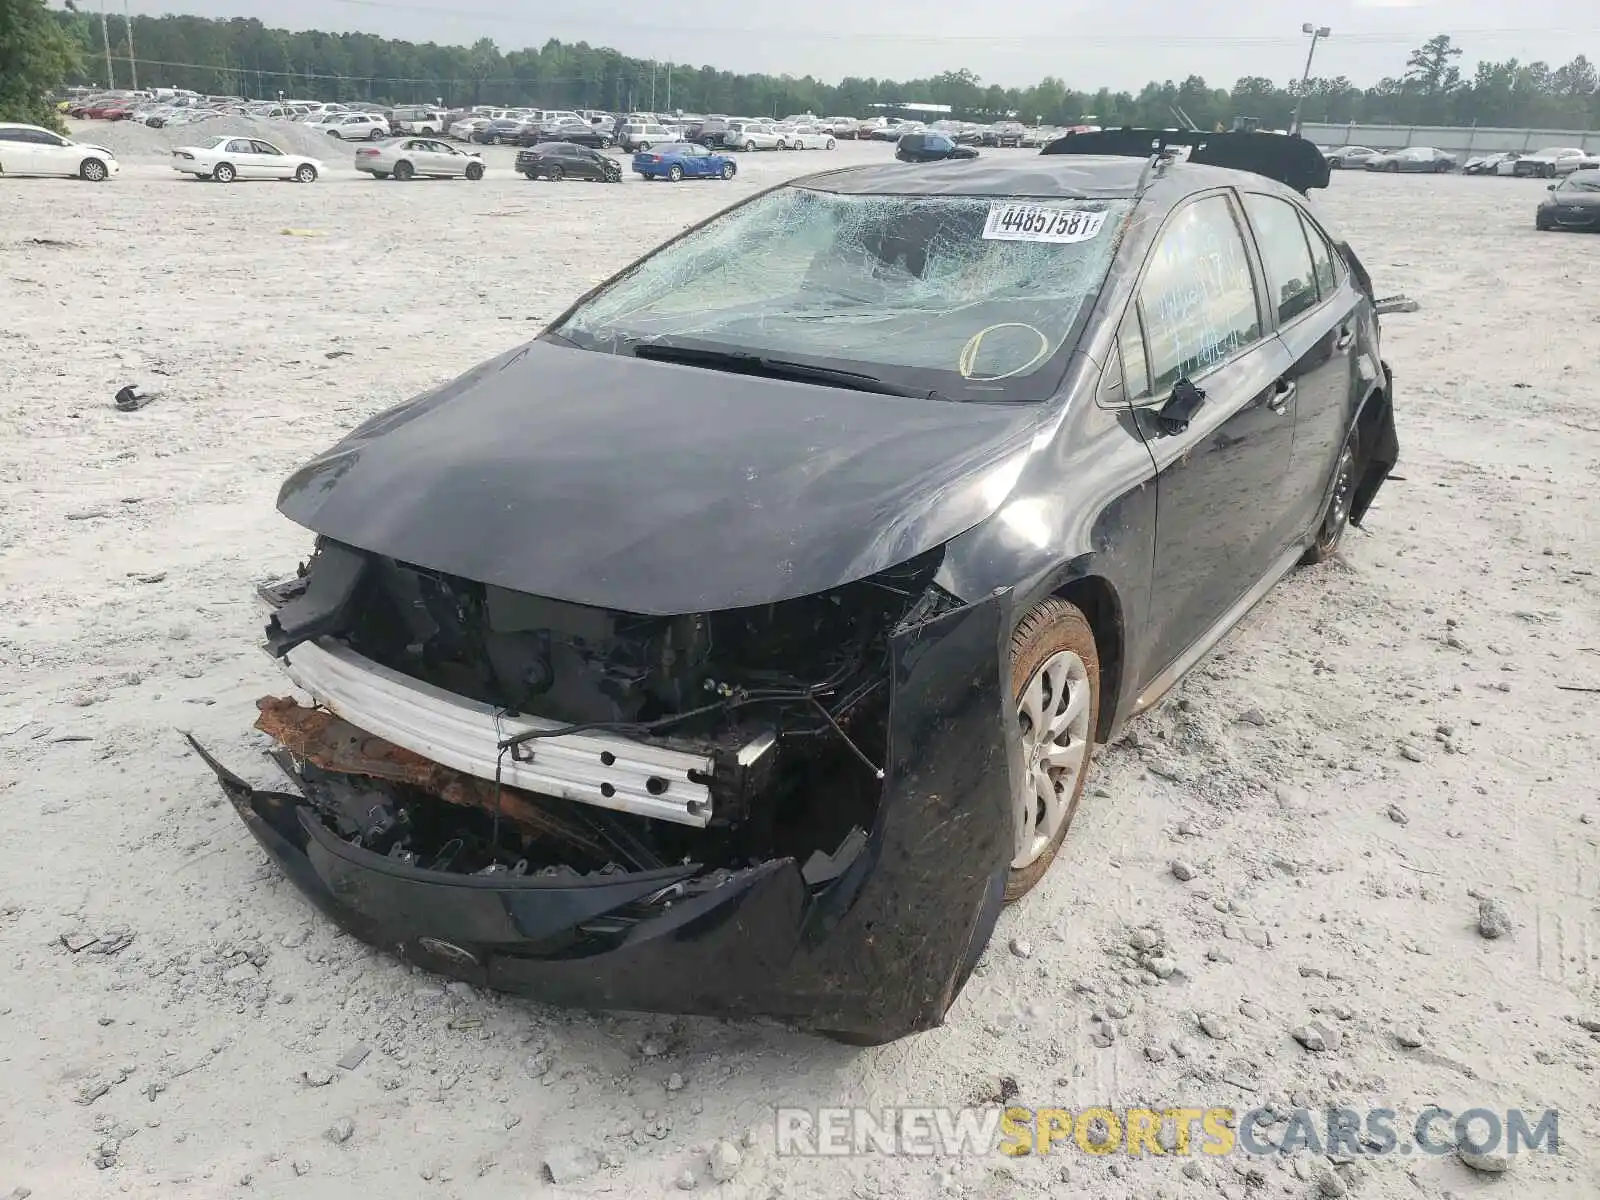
(224, 173)
(92, 170)
(829, 144)
(644, 145)
(403, 171)
(377, 135)
(474, 171)
(675, 173)
(557, 173)
(1055, 684)
(1336, 516)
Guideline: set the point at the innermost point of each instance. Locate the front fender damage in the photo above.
(873, 942)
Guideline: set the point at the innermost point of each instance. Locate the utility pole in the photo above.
(1317, 32)
(105, 40)
(669, 87)
(652, 85)
(133, 69)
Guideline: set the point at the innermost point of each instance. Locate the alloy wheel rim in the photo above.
(1053, 713)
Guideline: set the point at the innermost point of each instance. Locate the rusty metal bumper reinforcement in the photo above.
(605, 770)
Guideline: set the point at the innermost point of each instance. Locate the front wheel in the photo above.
(92, 170)
(305, 173)
(1055, 684)
(727, 170)
(1336, 516)
(403, 171)
(474, 171)
(749, 147)
(644, 146)
(377, 135)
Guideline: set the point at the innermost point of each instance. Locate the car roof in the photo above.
(1045, 176)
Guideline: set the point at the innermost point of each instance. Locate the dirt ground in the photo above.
(1384, 743)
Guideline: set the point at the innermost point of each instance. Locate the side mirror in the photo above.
(1185, 401)
(1550, 187)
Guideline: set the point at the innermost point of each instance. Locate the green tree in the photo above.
(36, 57)
(1431, 65)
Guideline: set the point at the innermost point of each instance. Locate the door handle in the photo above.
(1346, 337)
(1282, 394)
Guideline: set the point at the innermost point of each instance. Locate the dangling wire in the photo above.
(499, 759)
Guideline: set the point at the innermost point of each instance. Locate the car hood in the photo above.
(655, 488)
(1576, 199)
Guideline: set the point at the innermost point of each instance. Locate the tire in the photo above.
(380, 174)
(1055, 670)
(675, 173)
(474, 171)
(556, 173)
(530, 174)
(829, 145)
(783, 145)
(376, 135)
(644, 145)
(404, 171)
(727, 170)
(305, 173)
(334, 133)
(92, 170)
(606, 143)
(1394, 168)
(749, 147)
(1336, 514)
(1541, 225)
(224, 173)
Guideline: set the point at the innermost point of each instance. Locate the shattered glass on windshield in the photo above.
(971, 297)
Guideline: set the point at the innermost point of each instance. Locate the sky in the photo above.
(1121, 45)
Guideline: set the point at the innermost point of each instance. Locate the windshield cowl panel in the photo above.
(973, 298)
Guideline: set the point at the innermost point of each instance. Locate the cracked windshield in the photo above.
(963, 297)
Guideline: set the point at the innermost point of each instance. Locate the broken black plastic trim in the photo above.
(1289, 159)
(325, 604)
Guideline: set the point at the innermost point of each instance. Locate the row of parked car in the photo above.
(1549, 163)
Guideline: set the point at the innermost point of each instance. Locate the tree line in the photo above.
(244, 57)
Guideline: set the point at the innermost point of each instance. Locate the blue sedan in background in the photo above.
(681, 160)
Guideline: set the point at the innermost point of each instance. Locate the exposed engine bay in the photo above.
(784, 706)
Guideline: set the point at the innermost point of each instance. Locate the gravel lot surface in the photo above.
(1383, 745)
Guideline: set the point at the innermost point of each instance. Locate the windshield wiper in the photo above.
(745, 363)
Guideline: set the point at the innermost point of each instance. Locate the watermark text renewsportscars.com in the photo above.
(1178, 1131)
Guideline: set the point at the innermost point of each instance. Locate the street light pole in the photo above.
(1317, 32)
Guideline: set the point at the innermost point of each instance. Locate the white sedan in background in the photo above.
(409, 157)
(227, 158)
(463, 130)
(806, 137)
(34, 150)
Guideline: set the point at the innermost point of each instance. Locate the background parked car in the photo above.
(1423, 159)
(556, 161)
(808, 137)
(32, 150)
(930, 147)
(406, 158)
(1350, 157)
(225, 158)
(1491, 164)
(499, 131)
(642, 135)
(465, 129)
(683, 160)
(1574, 203)
(357, 127)
(750, 135)
(418, 120)
(1555, 160)
(574, 129)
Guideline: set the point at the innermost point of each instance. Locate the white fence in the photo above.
(1456, 139)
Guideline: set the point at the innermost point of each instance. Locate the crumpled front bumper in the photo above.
(879, 953)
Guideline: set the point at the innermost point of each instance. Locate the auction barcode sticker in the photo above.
(1035, 223)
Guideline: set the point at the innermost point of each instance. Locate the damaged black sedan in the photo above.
(739, 644)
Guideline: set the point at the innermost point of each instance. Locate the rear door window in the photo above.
(1198, 297)
(1324, 258)
(1291, 282)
